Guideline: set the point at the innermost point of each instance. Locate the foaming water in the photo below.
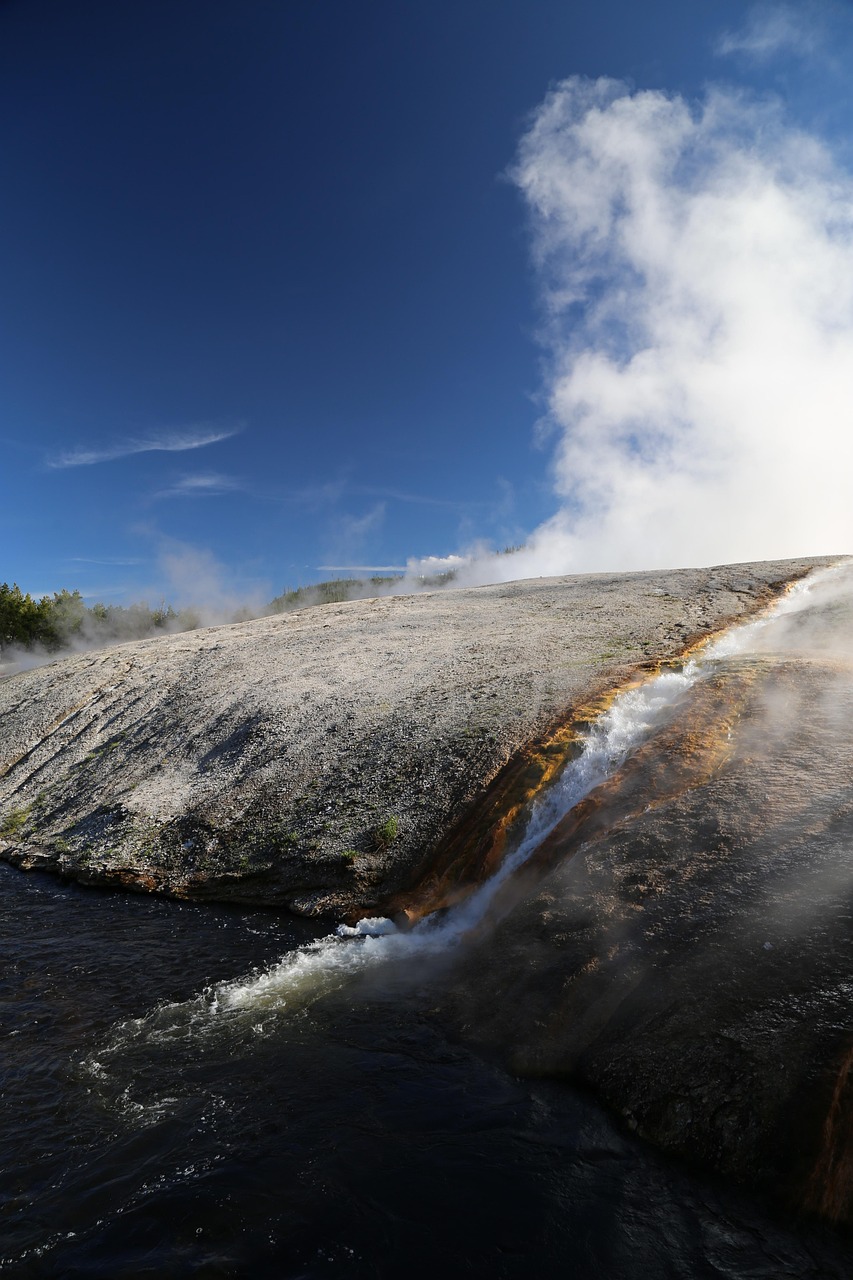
(327, 964)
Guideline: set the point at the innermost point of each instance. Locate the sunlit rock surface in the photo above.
(683, 941)
(318, 760)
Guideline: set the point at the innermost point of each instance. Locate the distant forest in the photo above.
(64, 620)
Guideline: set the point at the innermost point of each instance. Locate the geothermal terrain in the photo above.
(679, 939)
(320, 760)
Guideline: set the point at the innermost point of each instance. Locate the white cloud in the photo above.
(158, 442)
(426, 566)
(696, 263)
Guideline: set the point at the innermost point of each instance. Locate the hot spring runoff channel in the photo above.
(219, 1092)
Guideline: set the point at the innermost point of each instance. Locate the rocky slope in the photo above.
(683, 940)
(319, 760)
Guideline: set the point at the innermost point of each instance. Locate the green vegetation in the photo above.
(64, 620)
(386, 833)
(335, 591)
(349, 856)
(12, 823)
(279, 842)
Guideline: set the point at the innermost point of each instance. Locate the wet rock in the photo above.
(683, 942)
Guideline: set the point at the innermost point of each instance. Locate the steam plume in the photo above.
(696, 269)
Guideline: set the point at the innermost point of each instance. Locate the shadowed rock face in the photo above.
(260, 762)
(683, 941)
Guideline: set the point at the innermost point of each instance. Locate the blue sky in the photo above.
(270, 300)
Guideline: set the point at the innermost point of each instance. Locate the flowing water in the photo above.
(207, 1091)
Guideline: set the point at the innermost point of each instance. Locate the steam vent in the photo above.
(623, 805)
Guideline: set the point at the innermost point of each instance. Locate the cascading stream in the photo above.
(327, 964)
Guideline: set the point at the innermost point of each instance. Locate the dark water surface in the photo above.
(347, 1135)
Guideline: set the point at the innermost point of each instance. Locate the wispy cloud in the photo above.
(333, 492)
(351, 538)
(362, 568)
(425, 499)
(315, 496)
(93, 593)
(357, 528)
(98, 593)
(105, 560)
(178, 441)
(773, 30)
(207, 484)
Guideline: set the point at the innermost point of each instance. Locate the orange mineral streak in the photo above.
(829, 1190)
(476, 846)
(676, 758)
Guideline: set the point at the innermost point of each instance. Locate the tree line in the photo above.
(64, 620)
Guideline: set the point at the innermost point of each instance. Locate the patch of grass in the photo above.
(348, 857)
(386, 833)
(13, 822)
(278, 841)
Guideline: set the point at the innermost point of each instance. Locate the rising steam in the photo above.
(696, 271)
